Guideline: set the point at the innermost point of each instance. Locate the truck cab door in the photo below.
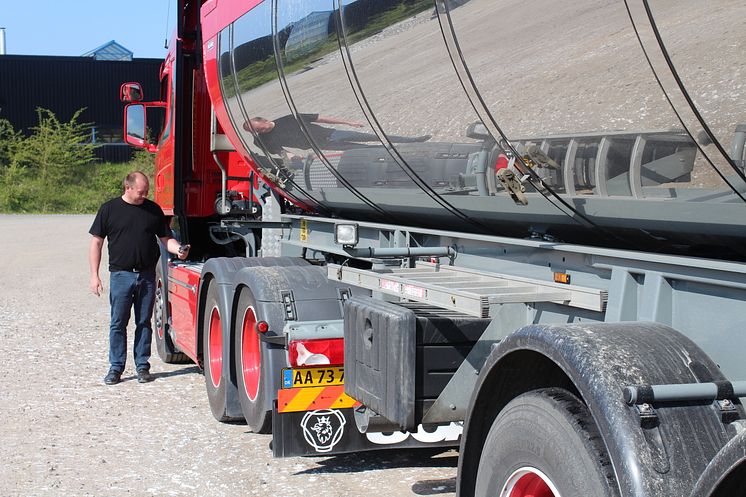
(164, 159)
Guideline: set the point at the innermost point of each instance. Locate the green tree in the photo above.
(9, 141)
(54, 169)
(53, 158)
(144, 161)
(11, 174)
(56, 148)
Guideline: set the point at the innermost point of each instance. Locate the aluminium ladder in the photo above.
(472, 292)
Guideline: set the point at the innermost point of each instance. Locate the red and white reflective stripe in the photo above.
(314, 398)
(391, 286)
(529, 482)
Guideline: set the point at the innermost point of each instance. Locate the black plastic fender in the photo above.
(316, 298)
(596, 361)
(222, 271)
(725, 476)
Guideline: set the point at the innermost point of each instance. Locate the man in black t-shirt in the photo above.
(131, 224)
(284, 132)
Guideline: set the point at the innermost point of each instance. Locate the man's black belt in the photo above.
(135, 269)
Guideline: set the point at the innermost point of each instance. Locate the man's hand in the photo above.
(176, 248)
(183, 251)
(96, 287)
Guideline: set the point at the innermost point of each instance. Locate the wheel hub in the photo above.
(158, 311)
(250, 355)
(215, 352)
(529, 482)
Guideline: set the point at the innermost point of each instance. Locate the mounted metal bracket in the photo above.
(274, 339)
(728, 411)
(647, 414)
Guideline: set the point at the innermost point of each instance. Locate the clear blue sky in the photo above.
(73, 27)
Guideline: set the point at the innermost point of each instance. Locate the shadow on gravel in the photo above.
(166, 374)
(388, 459)
(435, 487)
(392, 459)
(178, 372)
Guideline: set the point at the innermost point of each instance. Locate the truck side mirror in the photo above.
(478, 131)
(130, 92)
(135, 129)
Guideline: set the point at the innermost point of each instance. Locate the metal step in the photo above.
(472, 292)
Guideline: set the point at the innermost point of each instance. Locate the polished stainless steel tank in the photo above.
(620, 122)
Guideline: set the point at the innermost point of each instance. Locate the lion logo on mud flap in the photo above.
(323, 428)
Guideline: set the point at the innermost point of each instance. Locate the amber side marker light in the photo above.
(562, 278)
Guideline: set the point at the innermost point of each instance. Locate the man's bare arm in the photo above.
(335, 120)
(174, 247)
(94, 261)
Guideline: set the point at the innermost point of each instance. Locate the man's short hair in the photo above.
(131, 179)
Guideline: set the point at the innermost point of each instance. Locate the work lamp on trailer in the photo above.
(346, 234)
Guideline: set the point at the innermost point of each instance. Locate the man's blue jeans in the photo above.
(127, 290)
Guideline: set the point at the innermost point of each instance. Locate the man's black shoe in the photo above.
(113, 378)
(144, 376)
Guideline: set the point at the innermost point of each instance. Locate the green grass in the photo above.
(73, 189)
(24, 191)
(385, 19)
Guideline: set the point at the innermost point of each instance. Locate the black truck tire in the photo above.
(165, 347)
(725, 475)
(212, 353)
(544, 443)
(251, 376)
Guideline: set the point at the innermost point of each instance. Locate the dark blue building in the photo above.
(66, 84)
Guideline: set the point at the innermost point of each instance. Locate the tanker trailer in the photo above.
(525, 221)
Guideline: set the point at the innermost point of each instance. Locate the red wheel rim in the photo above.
(215, 352)
(251, 356)
(529, 482)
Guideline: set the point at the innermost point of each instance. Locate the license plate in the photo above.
(312, 377)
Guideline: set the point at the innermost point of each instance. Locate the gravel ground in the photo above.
(66, 433)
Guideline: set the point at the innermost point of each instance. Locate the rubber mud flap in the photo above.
(380, 358)
(326, 432)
